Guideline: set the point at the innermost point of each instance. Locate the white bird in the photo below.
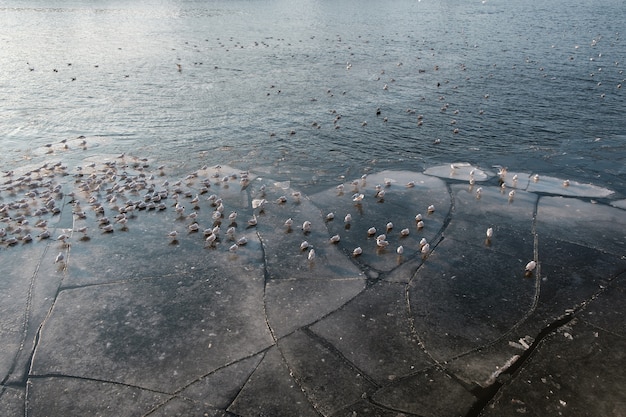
(357, 251)
(193, 227)
(489, 233)
(311, 255)
(173, 234)
(210, 239)
(400, 250)
(425, 248)
(348, 218)
(242, 241)
(233, 247)
(511, 194)
(63, 237)
(404, 232)
(371, 231)
(252, 221)
(530, 266)
(232, 216)
(59, 258)
(382, 243)
(410, 184)
(418, 217)
(289, 223)
(335, 239)
(479, 191)
(566, 183)
(357, 198)
(536, 178)
(304, 245)
(420, 224)
(306, 226)
(431, 208)
(389, 226)
(330, 216)
(423, 242)
(381, 237)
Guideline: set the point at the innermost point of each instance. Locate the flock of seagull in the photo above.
(108, 195)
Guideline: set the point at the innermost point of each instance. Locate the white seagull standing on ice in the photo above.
(59, 258)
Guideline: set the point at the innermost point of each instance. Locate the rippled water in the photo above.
(534, 86)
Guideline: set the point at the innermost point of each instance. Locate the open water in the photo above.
(293, 87)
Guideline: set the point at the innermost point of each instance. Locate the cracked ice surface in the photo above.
(136, 321)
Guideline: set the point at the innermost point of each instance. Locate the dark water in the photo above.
(531, 85)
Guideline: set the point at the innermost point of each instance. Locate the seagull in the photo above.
(306, 226)
(330, 216)
(566, 183)
(423, 242)
(425, 248)
(311, 255)
(242, 241)
(252, 222)
(233, 247)
(404, 232)
(59, 258)
(357, 251)
(389, 226)
(357, 198)
(418, 217)
(304, 245)
(489, 233)
(289, 223)
(371, 231)
(400, 250)
(511, 194)
(431, 208)
(63, 237)
(173, 234)
(210, 239)
(420, 224)
(348, 218)
(530, 266)
(335, 239)
(232, 216)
